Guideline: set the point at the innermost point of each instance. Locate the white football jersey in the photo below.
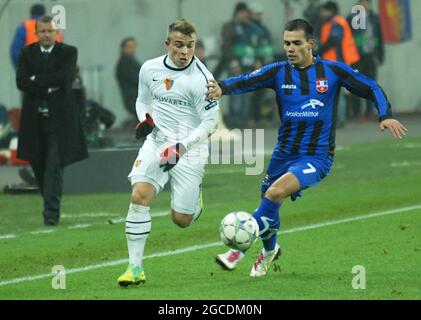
(175, 98)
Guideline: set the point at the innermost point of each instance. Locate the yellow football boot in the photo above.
(134, 275)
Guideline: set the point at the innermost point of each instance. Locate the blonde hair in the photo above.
(183, 26)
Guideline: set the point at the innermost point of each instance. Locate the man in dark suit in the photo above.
(127, 74)
(50, 135)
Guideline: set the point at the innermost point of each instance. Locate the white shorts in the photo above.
(185, 177)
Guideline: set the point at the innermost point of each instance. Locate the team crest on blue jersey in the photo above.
(322, 85)
(168, 83)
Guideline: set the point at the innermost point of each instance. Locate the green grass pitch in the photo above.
(367, 212)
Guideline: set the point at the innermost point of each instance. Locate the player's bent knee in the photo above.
(276, 194)
(140, 198)
(182, 223)
(143, 194)
(181, 220)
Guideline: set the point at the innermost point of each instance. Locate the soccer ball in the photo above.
(239, 230)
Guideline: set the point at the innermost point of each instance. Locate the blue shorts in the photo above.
(309, 170)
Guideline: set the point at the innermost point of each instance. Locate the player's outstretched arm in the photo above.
(258, 79)
(367, 88)
(396, 128)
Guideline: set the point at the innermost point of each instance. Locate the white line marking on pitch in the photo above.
(357, 218)
(82, 225)
(7, 236)
(89, 215)
(342, 148)
(412, 145)
(159, 214)
(404, 164)
(42, 231)
(214, 244)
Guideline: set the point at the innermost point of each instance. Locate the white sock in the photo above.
(198, 210)
(138, 227)
(268, 252)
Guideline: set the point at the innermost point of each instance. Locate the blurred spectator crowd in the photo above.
(246, 44)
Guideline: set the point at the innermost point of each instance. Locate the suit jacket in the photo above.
(127, 74)
(62, 106)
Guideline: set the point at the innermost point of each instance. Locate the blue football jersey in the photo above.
(307, 101)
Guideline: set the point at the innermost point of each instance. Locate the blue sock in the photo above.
(267, 217)
(269, 243)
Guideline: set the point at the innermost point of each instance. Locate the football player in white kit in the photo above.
(177, 121)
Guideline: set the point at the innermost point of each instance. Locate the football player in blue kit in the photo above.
(307, 90)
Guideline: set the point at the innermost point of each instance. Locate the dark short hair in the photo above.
(43, 19)
(241, 6)
(125, 40)
(331, 6)
(300, 24)
(183, 26)
(37, 10)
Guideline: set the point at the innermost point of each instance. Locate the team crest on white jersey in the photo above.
(168, 83)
